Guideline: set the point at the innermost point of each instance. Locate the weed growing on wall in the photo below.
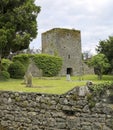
(100, 89)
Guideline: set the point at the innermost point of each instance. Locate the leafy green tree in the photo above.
(18, 25)
(106, 47)
(100, 63)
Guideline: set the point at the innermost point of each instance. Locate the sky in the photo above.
(94, 18)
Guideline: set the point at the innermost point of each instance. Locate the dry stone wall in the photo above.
(70, 111)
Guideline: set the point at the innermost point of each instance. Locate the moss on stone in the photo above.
(17, 99)
(74, 97)
(91, 101)
(25, 104)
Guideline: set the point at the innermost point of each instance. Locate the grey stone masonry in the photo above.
(65, 43)
(70, 111)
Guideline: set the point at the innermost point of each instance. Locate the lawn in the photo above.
(53, 85)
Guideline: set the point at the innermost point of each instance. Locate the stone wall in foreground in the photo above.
(71, 111)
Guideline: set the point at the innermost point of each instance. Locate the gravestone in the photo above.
(68, 78)
(28, 78)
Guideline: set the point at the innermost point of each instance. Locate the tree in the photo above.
(106, 47)
(18, 25)
(100, 63)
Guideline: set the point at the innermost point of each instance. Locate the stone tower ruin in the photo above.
(65, 43)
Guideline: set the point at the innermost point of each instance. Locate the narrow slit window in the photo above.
(68, 56)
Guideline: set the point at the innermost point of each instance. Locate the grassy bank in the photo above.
(54, 85)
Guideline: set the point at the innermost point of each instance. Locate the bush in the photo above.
(16, 70)
(4, 75)
(49, 64)
(100, 89)
(5, 64)
(23, 58)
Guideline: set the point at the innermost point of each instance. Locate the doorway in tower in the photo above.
(69, 71)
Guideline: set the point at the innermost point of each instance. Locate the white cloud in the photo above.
(93, 17)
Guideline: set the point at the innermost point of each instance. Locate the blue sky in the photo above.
(94, 18)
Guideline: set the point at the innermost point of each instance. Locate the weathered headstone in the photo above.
(68, 78)
(28, 79)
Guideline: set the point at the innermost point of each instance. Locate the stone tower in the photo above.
(65, 43)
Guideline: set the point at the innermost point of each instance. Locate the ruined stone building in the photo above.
(65, 43)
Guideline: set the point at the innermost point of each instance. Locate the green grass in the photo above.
(57, 85)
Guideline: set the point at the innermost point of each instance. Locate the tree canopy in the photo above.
(106, 47)
(100, 63)
(18, 25)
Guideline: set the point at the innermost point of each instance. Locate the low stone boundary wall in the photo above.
(70, 111)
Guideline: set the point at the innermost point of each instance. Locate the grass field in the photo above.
(53, 85)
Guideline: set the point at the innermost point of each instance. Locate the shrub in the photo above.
(49, 64)
(4, 75)
(5, 64)
(16, 70)
(100, 89)
(23, 58)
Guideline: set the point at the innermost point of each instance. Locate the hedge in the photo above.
(16, 70)
(23, 58)
(5, 64)
(49, 64)
(4, 75)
